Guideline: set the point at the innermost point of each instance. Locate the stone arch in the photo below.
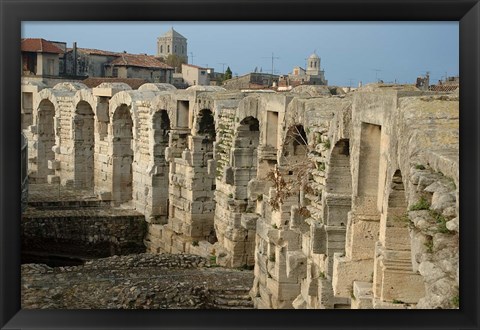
(394, 279)
(164, 101)
(44, 94)
(339, 177)
(156, 87)
(122, 154)
(368, 169)
(84, 143)
(295, 145)
(246, 141)
(45, 115)
(123, 98)
(244, 153)
(161, 126)
(70, 86)
(242, 188)
(393, 233)
(206, 124)
(337, 201)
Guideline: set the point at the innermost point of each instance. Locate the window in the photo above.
(168, 48)
(50, 67)
(161, 49)
(115, 72)
(175, 49)
(202, 73)
(183, 49)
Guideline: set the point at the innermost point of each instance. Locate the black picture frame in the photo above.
(13, 12)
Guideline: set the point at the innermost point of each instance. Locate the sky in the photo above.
(350, 52)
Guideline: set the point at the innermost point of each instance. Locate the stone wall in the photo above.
(336, 201)
(90, 233)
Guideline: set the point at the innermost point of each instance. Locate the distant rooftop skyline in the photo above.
(350, 52)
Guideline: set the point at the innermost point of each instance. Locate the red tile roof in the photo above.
(140, 60)
(92, 82)
(93, 51)
(38, 45)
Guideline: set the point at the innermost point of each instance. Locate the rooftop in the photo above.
(172, 34)
(195, 66)
(39, 45)
(140, 60)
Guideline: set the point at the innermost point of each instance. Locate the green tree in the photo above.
(228, 74)
(175, 61)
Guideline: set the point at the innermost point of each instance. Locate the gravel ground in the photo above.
(140, 281)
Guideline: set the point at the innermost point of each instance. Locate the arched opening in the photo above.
(161, 128)
(122, 125)
(337, 201)
(394, 279)
(206, 128)
(296, 143)
(244, 156)
(46, 140)
(84, 142)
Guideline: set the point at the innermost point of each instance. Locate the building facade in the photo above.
(40, 57)
(195, 75)
(311, 75)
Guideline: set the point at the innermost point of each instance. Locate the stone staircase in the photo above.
(233, 298)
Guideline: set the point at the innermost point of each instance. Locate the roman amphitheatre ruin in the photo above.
(323, 199)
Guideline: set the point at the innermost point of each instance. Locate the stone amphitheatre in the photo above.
(332, 199)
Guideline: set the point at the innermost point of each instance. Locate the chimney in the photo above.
(74, 54)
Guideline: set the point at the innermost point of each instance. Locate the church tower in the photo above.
(172, 42)
(313, 65)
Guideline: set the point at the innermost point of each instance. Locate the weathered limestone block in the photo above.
(53, 179)
(362, 295)
(249, 221)
(296, 264)
(397, 238)
(318, 236)
(401, 285)
(364, 234)
(53, 164)
(345, 272)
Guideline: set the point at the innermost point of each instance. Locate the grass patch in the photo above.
(429, 245)
(395, 301)
(195, 243)
(419, 167)
(272, 258)
(213, 260)
(441, 221)
(456, 301)
(422, 204)
(275, 226)
(326, 144)
(260, 197)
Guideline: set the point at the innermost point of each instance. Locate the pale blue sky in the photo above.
(350, 51)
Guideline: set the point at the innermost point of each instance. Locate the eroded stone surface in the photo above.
(372, 179)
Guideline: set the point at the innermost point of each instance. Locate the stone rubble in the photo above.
(140, 281)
